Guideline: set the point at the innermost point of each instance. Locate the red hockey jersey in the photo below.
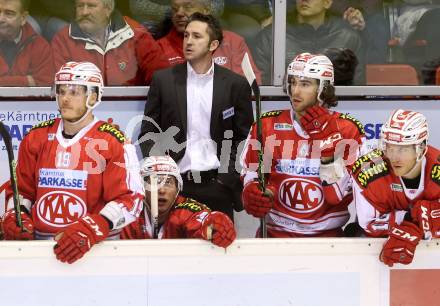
(184, 221)
(381, 197)
(302, 206)
(63, 179)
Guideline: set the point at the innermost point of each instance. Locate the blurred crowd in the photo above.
(130, 40)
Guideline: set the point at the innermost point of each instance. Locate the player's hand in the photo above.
(76, 239)
(10, 229)
(381, 225)
(427, 215)
(218, 228)
(255, 202)
(321, 126)
(401, 244)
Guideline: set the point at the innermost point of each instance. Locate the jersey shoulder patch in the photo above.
(356, 122)
(110, 129)
(191, 205)
(274, 113)
(43, 124)
(435, 173)
(370, 167)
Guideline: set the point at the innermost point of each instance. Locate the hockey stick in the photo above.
(252, 80)
(154, 205)
(13, 174)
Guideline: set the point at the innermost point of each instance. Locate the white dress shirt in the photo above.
(201, 150)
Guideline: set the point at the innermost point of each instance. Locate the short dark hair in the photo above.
(214, 28)
(429, 71)
(344, 63)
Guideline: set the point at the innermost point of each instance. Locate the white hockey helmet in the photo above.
(161, 165)
(405, 127)
(314, 66)
(81, 73)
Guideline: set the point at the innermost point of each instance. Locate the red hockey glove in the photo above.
(10, 229)
(321, 125)
(381, 225)
(427, 215)
(76, 239)
(218, 228)
(401, 244)
(255, 202)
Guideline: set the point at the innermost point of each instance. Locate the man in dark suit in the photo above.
(198, 113)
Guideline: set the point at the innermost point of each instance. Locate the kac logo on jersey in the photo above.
(62, 178)
(298, 167)
(60, 208)
(220, 60)
(301, 195)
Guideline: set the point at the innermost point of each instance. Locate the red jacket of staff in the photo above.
(229, 54)
(130, 56)
(32, 64)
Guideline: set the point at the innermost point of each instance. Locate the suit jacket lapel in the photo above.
(181, 98)
(217, 98)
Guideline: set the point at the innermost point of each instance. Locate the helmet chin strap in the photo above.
(320, 89)
(419, 159)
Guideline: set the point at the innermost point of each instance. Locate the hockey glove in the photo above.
(427, 215)
(401, 244)
(255, 202)
(321, 126)
(10, 229)
(76, 239)
(218, 228)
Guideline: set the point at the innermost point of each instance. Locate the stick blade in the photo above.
(247, 69)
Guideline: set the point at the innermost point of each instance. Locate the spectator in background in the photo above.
(410, 13)
(310, 28)
(122, 48)
(429, 71)
(51, 15)
(344, 63)
(229, 54)
(25, 57)
(246, 17)
(154, 16)
(368, 19)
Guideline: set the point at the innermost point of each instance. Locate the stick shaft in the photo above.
(252, 80)
(154, 205)
(13, 174)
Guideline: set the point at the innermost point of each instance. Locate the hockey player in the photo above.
(78, 177)
(397, 187)
(178, 217)
(306, 150)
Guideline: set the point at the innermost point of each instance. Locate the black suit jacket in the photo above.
(166, 113)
